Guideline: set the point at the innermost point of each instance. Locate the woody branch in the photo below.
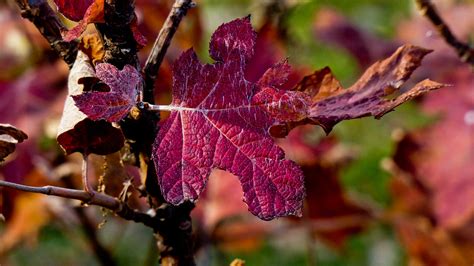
(162, 42)
(464, 51)
(44, 18)
(90, 198)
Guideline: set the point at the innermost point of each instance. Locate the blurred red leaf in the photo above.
(73, 10)
(94, 13)
(335, 29)
(440, 157)
(331, 214)
(427, 245)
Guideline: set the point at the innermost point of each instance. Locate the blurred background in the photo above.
(395, 191)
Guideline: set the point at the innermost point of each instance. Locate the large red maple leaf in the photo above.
(220, 120)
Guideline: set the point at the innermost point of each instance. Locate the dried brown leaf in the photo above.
(93, 47)
(77, 132)
(367, 97)
(429, 245)
(9, 137)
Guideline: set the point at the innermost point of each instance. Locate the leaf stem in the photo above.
(162, 42)
(159, 108)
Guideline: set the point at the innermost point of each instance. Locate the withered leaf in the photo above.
(77, 132)
(367, 97)
(9, 137)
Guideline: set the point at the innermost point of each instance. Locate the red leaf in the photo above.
(90, 11)
(116, 103)
(73, 10)
(94, 13)
(137, 35)
(220, 123)
(332, 214)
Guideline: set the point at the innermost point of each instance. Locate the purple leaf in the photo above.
(116, 103)
(73, 10)
(221, 120)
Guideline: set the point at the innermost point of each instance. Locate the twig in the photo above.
(97, 199)
(85, 174)
(171, 224)
(162, 42)
(42, 15)
(464, 51)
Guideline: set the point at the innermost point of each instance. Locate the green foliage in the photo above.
(379, 16)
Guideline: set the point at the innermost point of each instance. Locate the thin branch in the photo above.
(162, 42)
(43, 16)
(464, 51)
(85, 174)
(97, 199)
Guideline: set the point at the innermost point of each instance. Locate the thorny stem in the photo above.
(162, 42)
(42, 15)
(464, 51)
